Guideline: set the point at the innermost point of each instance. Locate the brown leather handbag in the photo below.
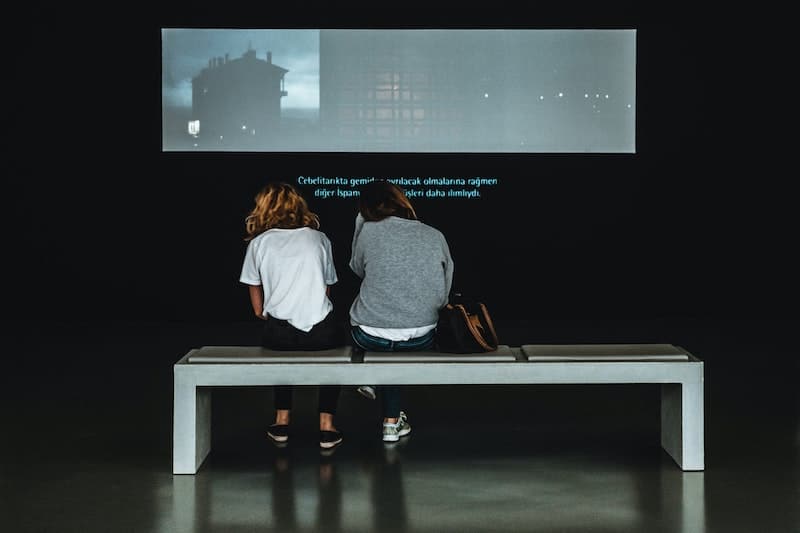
(465, 326)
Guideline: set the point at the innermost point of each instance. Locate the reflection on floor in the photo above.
(86, 445)
(387, 490)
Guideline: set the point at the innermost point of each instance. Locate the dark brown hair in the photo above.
(379, 199)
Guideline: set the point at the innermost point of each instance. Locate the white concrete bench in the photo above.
(679, 373)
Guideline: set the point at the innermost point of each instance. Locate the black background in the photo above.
(119, 258)
(699, 222)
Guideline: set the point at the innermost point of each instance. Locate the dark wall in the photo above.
(102, 224)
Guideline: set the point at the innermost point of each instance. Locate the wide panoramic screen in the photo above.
(399, 90)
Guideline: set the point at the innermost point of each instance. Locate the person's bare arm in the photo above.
(257, 300)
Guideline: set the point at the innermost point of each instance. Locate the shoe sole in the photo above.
(329, 445)
(277, 438)
(366, 394)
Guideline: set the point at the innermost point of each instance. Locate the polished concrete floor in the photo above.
(86, 442)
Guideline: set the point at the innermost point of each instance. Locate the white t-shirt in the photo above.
(294, 267)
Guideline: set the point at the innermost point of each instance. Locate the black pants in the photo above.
(280, 335)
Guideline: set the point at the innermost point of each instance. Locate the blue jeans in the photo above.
(391, 396)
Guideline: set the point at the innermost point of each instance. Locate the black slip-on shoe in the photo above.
(278, 433)
(329, 439)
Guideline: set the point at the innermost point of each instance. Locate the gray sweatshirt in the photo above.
(406, 273)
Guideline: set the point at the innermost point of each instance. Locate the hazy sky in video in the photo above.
(574, 63)
(185, 52)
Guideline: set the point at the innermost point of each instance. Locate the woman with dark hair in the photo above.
(406, 273)
(289, 269)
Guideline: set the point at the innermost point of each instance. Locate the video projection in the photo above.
(399, 90)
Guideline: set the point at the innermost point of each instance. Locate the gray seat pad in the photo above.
(503, 353)
(603, 352)
(257, 354)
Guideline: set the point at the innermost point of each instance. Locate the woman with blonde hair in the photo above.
(288, 267)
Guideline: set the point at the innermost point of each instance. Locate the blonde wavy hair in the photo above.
(279, 205)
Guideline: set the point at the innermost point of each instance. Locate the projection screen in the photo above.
(399, 90)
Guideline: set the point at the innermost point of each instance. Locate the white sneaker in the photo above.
(393, 432)
(367, 391)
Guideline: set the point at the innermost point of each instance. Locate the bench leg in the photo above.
(191, 426)
(682, 424)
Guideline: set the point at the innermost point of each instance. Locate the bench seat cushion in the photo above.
(503, 353)
(257, 354)
(603, 352)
